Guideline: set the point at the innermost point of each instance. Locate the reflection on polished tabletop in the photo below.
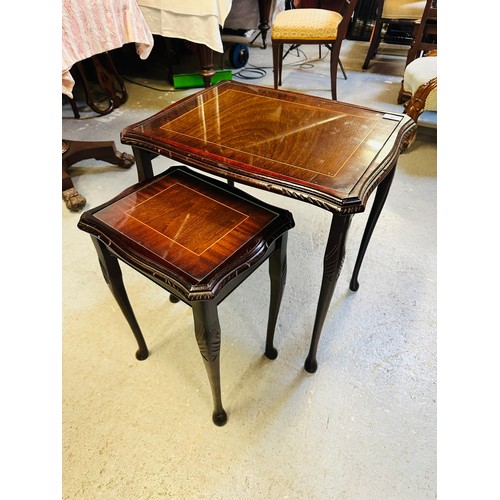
(332, 151)
(199, 239)
(324, 152)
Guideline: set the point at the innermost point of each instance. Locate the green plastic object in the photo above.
(193, 80)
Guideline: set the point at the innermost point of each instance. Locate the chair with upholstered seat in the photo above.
(420, 84)
(393, 13)
(425, 39)
(311, 26)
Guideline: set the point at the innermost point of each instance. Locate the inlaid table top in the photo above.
(326, 152)
(320, 151)
(185, 228)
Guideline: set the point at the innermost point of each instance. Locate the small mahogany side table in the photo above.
(197, 238)
(324, 152)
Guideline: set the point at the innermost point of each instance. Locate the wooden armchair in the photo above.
(419, 89)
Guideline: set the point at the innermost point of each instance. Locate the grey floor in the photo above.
(362, 427)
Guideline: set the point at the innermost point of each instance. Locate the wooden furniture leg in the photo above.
(277, 274)
(264, 14)
(113, 276)
(208, 336)
(378, 204)
(206, 57)
(143, 162)
(198, 239)
(75, 151)
(332, 265)
(111, 84)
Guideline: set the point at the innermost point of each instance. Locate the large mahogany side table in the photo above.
(324, 152)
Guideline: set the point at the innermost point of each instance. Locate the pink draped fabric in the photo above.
(90, 27)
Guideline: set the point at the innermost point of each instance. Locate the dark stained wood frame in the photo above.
(376, 35)
(346, 10)
(121, 229)
(363, 172)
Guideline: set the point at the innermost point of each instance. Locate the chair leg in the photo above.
(403, 95)
(334, 62)
(112, 274)
(208, 336)
(276, 64)
(280, 62)
(413, 50)
(342, 69)
(277, 274)
(374, 43)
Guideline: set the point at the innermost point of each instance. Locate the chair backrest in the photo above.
(411, 10)
(426, 36)
(346, 10)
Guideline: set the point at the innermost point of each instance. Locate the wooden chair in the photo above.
(425, 39)
(199, 239)
(419, 89)
(311, 26)
(396, 13)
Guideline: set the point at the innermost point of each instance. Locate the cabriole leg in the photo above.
(332, 265)
(378, 204)
(208, 336)
(112, 274)
(277, 274)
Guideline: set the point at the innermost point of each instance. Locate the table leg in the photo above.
(206, 57)
(208, 336)
(264, 13)
(332, 265)
(113, 276)
(378, 204)
(277, 274)
(143, 161)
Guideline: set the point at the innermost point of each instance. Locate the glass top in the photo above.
(323, 148)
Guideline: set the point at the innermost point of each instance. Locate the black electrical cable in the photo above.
(168, 89)
(250, 72)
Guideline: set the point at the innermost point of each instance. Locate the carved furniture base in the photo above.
(74, 200)
(197, 238)
(415, 106)
(75, 151)
(110, 85)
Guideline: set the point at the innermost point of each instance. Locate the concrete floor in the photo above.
(362, 427)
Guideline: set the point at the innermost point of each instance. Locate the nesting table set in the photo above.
(199, 238)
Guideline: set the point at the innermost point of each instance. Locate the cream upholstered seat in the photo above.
(311, 26)
(402, 12)
(420, 83)
(398, 9)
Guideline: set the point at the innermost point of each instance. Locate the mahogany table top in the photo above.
(188, 229)
(325, 152)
